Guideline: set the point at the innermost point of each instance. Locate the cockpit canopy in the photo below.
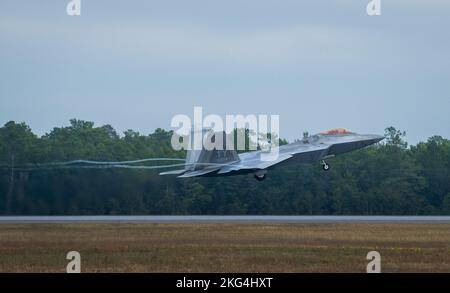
(335, 131)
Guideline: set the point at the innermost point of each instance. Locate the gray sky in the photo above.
(318, 64)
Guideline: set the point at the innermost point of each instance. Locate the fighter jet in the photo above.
(316, 148)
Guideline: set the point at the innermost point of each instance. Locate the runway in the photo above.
(225, 219)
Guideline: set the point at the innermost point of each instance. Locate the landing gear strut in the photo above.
(325, 166)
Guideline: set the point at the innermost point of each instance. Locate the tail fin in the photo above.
(198, 157)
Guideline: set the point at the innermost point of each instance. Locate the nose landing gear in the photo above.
(325, 166)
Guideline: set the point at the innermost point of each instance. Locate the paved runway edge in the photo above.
(224, 219)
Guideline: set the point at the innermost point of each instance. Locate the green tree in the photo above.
(395, 137)
(389, 178)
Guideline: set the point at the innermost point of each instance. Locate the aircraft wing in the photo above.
(254, 164)
(253, 160)
(173, 172)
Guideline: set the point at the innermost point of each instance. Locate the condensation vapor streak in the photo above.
(106, 162)
(78, 164)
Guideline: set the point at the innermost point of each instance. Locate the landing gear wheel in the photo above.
(260, 177)
(325, 166)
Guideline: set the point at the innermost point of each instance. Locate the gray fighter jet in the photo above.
(315, 148)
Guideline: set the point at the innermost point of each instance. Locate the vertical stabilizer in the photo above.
(198, 157)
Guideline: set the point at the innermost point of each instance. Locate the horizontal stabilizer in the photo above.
(173, 172)
(198, 172)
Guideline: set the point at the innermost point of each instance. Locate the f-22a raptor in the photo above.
(315, 148)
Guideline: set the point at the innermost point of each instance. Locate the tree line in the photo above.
(390, 178)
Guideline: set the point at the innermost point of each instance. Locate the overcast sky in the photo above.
(318, 64)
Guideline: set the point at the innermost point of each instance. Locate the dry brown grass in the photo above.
(225, 247)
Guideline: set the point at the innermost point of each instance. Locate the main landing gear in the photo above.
(260, 176)
(325, 166)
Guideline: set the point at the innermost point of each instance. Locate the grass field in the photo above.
(225, 247)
